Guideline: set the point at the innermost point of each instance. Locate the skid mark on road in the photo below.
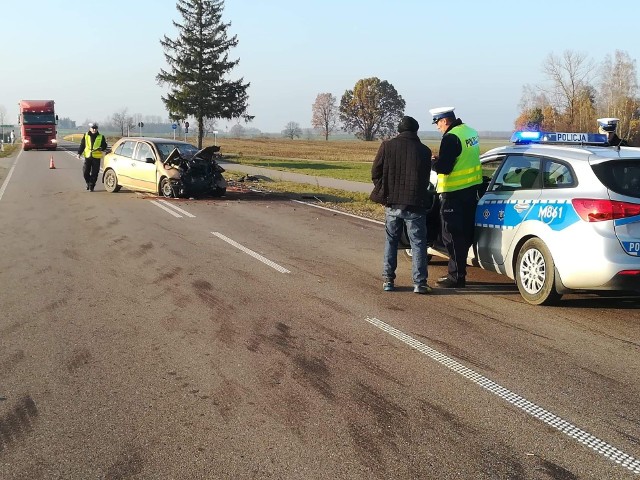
(599, 446)
(15, 424)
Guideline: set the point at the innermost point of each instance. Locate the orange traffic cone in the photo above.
(51, 164)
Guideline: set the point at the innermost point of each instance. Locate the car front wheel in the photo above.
(535, 273)
(165, 188)
(110, 181)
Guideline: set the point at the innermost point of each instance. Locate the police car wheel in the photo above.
(110, 181)
(535, 273)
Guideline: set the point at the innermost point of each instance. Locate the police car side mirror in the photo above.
(150, 160)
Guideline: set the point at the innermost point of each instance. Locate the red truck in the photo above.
(38, 122)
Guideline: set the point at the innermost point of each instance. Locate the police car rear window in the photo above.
(621, 177)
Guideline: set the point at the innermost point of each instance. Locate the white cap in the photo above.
(608, 124)
(442, 112)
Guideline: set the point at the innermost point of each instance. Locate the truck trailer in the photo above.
(38, 122)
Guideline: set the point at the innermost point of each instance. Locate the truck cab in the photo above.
(38, 124)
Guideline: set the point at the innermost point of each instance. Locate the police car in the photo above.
(561, 213)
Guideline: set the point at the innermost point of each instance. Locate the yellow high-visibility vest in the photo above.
(97, 153)
(467, 170)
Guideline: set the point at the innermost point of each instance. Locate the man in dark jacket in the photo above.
(400, 174)
(92, 147)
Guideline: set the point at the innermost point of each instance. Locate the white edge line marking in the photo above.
(585, 438)
(6, 180)
(255, 255)
(430, 250)
(167, 209)
(338, 211)
(175, 207)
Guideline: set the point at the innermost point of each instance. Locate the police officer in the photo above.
(608, 127)
(92, 146)
(459, 177)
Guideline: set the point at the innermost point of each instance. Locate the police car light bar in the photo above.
(523, 137)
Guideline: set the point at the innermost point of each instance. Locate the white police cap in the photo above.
(608, 124)
(442, 112)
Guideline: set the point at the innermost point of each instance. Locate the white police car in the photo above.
(561, 213)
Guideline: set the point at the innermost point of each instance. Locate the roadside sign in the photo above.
(174, 125)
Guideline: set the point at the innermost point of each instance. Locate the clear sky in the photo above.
(96, 58)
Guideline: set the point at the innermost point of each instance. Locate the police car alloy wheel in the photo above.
(535, 273)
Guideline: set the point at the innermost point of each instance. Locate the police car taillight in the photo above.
(599, 210)
(629, 272)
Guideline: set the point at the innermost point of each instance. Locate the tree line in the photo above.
(578, 91)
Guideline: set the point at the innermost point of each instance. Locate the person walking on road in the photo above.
(92, 147)
(400, 174)
(12, 137)
(459, 177)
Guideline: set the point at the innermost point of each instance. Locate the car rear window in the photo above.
(622, 177)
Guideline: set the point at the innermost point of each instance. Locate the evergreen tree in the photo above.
(199, 64)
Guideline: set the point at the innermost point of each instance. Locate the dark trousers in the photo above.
(458, 212)
(90, 170)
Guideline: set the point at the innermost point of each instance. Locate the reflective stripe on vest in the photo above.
(467, 170)
(87, 146)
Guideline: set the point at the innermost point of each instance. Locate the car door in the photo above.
(121, 163)
(507, 203)
(145, 167)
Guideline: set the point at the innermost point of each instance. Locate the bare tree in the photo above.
(292, 130)
(209, 126)
(569, 75)
(325, 114)
(121, 120)
(237, 131)
(618, 91)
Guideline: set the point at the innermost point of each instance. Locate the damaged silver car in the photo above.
(166, 167)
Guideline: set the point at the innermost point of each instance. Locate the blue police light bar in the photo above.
(579, 138)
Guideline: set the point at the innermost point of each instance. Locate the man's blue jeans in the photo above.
(417, 233)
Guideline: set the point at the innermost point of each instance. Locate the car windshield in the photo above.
(186, 150)
(38, 118)
(620, 177)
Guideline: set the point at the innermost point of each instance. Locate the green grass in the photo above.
(356, 203)
(355, 171)
(9, 149)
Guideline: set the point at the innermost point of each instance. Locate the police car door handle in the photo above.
(521, 207)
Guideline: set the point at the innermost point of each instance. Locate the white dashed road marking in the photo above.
(172, 209)
(255, 255)
(175, 207)
(603, 448)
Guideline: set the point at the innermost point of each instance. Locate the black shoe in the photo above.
(91, 187)
(88, 186)
(448, 282)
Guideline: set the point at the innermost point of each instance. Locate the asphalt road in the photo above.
(249, 337)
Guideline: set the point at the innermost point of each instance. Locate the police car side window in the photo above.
(517, 172)
(557, 175)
